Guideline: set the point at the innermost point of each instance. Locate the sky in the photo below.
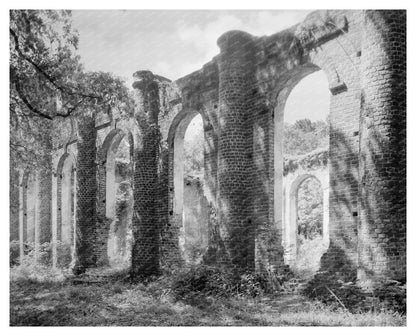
(174, 43)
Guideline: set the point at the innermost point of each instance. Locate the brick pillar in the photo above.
(236, 78)
(382, 231)
(145, 252)
(86, 195)
(43, 231)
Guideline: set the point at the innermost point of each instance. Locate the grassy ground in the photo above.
(119, 303)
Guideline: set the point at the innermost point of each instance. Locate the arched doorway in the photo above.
(118, 151)
(301, 140)
(189, 202)
(308, 236)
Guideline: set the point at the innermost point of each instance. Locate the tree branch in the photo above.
(28, 104)
(43, 73)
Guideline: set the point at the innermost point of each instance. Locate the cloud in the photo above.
(202, 39)
(172, 44)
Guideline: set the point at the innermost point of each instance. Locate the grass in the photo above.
(116, 302)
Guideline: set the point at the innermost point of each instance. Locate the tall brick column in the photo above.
(236, 78)
(43, 231)
(86, 195)
(382, 231)
(145, 253)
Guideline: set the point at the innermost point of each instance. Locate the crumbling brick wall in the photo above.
(382, 230)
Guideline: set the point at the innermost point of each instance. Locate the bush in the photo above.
(388, 296)
(14, 253)
(36, 266)
(391, 295)
(204, 281)
(199, 280)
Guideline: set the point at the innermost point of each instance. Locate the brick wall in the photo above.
(382, 231)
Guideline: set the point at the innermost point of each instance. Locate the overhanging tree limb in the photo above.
(44, 73)
(28, 104)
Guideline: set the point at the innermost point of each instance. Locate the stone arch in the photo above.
(66, 200)
(175, 140)
(113, 240)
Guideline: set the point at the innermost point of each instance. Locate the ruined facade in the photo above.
(241, 95)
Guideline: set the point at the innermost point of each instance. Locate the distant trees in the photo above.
(305, 136)
(301, 138)
(310, 209)
(194, 154)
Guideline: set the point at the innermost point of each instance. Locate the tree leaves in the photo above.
(48, 81)
(305, 136)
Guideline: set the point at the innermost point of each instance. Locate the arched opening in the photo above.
(190, 203)
(29, 208)
(308, 225)
(119, 198)
(301, 152)
(65, 234)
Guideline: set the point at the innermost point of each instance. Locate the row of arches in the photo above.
(188, 192)
(117, 186)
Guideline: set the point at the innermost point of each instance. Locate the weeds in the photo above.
(35, 267)
(163, 302)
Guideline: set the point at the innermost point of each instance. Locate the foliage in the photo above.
(310, 209)
(129, 304)
(200, 282)
(304, 136)
(35, 267)
(389, 295)
(318, 157)
(194, 153)
(14, 252)
(48, 82)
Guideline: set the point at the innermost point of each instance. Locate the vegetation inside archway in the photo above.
(305, 136)
(309, 228)
(306, 130)
(121, 236)
(195, 212)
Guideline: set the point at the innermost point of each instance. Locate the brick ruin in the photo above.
(240, 95)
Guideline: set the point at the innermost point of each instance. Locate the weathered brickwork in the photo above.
(86, 195)
(382, 231)
(241, 95)
(145, 253)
